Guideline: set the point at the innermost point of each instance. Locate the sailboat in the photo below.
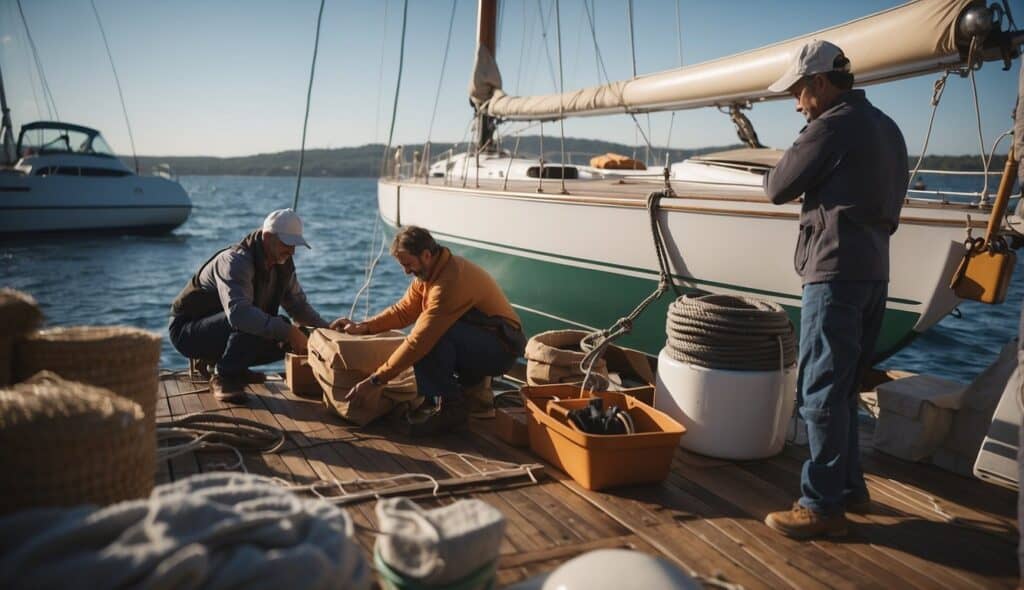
(62, 177)
(572, 245)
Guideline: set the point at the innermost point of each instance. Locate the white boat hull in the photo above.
(35, 204)
(586, 261)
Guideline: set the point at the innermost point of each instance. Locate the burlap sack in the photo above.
(340, 361)
(554, 357)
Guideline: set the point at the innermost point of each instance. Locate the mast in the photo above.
(486, 41)
(6, 128)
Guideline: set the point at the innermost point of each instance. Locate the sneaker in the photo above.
(803, 523)
(481, 399)
(446, 415)
(227, 390)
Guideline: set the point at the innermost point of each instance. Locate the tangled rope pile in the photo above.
(726, 332)
(216, 432)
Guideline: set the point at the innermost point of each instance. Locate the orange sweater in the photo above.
(455, 286)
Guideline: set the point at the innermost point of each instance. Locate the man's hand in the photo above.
(349, 327)
(363, 389)
(340, 324)
(357, 328)
(297, 340)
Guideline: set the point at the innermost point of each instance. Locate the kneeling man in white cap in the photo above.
(227, 314)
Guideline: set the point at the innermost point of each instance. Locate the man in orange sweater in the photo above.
(464, 331)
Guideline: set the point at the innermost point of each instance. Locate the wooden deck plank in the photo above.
(912, 530)
(184, 465)
(706, 516)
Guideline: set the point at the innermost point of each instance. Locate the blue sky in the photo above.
(222, 78)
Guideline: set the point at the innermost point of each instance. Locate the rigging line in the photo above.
(591, 18)
(32, 75)
(937, 90)
(398, 81)
(597, 51)
(522, 48)
(679, 49)
(39, 66)
(309, 96)
(117, 81)
(380, 74)
(561, 89)
(544, 36)
(629, 25)
(444, 63)
(576, 57)
(981, 137)
(632, 52)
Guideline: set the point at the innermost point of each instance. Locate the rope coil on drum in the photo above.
(727, 332)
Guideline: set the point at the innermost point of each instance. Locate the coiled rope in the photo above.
(728, 332)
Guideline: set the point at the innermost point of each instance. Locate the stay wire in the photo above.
(561, 90)
(444, 64)
(398, 82)
(380, 74)
(679, 49)
(117, 82)
(309, 96)
(47, 95)
(603, 70)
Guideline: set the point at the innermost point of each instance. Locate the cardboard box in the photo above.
(298, 375)
(510, 426)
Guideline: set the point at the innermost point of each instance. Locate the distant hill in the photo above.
(364, 161)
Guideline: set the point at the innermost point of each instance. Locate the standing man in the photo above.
(850, 165)
(465, 331)
(227, 313)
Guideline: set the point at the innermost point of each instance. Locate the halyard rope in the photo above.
(595, 343)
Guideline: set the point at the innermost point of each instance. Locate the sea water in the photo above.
(132, 279)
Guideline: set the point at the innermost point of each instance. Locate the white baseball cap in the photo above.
(816, 57)
(286, 225)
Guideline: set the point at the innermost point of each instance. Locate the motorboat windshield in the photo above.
(47, 137)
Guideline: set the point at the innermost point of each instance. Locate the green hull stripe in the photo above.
(598, 298)
(610, 265)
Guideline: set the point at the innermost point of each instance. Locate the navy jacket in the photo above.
(850, 165)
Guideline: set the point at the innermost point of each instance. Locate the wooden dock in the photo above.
(928, 528)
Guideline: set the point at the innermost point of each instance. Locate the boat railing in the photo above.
(919, 192)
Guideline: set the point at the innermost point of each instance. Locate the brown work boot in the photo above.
(803, 523)
(231, 390)
(481, 399)
(446, 415)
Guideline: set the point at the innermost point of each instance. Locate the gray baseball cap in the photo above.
(816, 57)
(286, 225)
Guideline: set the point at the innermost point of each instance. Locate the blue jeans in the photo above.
(213, 339)
(839, 324)
(464, 355)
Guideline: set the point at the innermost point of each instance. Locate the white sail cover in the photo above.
(907, 40)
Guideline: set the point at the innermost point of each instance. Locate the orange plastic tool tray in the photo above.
(598, 461)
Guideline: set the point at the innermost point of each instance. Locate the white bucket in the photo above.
(727, 414)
